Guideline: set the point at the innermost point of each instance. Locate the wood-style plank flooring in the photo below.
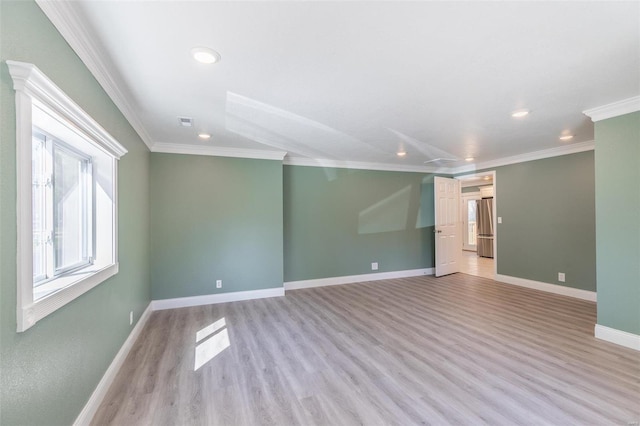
(452, 350)
(472, 264)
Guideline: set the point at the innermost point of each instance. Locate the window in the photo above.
(62, 210)
(469, 220)
(67, 197)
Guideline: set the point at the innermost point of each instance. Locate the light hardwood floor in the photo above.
(472, 264)
(452, 350)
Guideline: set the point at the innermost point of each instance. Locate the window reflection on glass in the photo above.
(62, 207)
(69, 202)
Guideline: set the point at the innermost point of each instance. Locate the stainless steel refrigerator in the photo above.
(484, 219)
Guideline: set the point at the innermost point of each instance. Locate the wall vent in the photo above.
(185, 121)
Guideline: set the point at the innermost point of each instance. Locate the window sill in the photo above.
(61, 291)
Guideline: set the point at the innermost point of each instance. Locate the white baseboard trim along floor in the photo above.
(354, 279)
(619, 337)
(549, 288)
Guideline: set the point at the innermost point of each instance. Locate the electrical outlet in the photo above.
(218, 283)
(131, 318)
(374, 266)
(561, 277)
(499, 219)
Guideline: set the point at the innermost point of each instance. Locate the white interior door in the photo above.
(447, 225)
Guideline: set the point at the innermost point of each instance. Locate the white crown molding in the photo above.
(91, 407)
(311, 162)
(614, 109)
(530, 156)
(521, 158)
(577, 293)
(355, 279)
(211, 299)
(217, 151)
(619, 337)
(177, 148)
(28, 79)
(63, 16)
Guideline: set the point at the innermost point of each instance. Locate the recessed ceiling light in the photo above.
(469, 159)
(204, 135)
(566, 137)
(205, 55)
(520, 113)
(401, 153)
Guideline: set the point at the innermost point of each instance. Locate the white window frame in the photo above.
(52, 144)
(35, 90)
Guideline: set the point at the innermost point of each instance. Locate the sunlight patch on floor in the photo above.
(210, 329)
(211, 343)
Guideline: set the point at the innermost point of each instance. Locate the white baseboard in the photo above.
(550, 288)
(90, 408)
(351, 279)
(211, 299)
(619, 337)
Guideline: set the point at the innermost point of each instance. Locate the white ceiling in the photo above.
(358, 81)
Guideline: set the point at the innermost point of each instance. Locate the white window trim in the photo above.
(31, 85)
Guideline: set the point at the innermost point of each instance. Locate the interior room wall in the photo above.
(256, 223)
(339, 221)
(215, 218)
(617, 165)
(49, 371)
(548, 220)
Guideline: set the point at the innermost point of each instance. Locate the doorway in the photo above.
(478, 224)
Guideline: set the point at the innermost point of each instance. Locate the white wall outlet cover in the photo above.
(218, 283)
(561, 277)
(131, 318)
(374, 266)
(499, 219)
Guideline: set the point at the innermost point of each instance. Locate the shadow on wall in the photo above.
(339, 227)
(393, 212)
(390, 214)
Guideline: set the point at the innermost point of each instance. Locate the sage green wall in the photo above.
(214, 218)
(49, 371)
(618, 221)
(548, 220)
(338, 221)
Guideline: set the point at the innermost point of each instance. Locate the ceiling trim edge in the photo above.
(72, 29)
(359, 165)
(614, 109)
(217, 151)
(573, 148)
(176, 148)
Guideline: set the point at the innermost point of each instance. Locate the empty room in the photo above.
(319, 213)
